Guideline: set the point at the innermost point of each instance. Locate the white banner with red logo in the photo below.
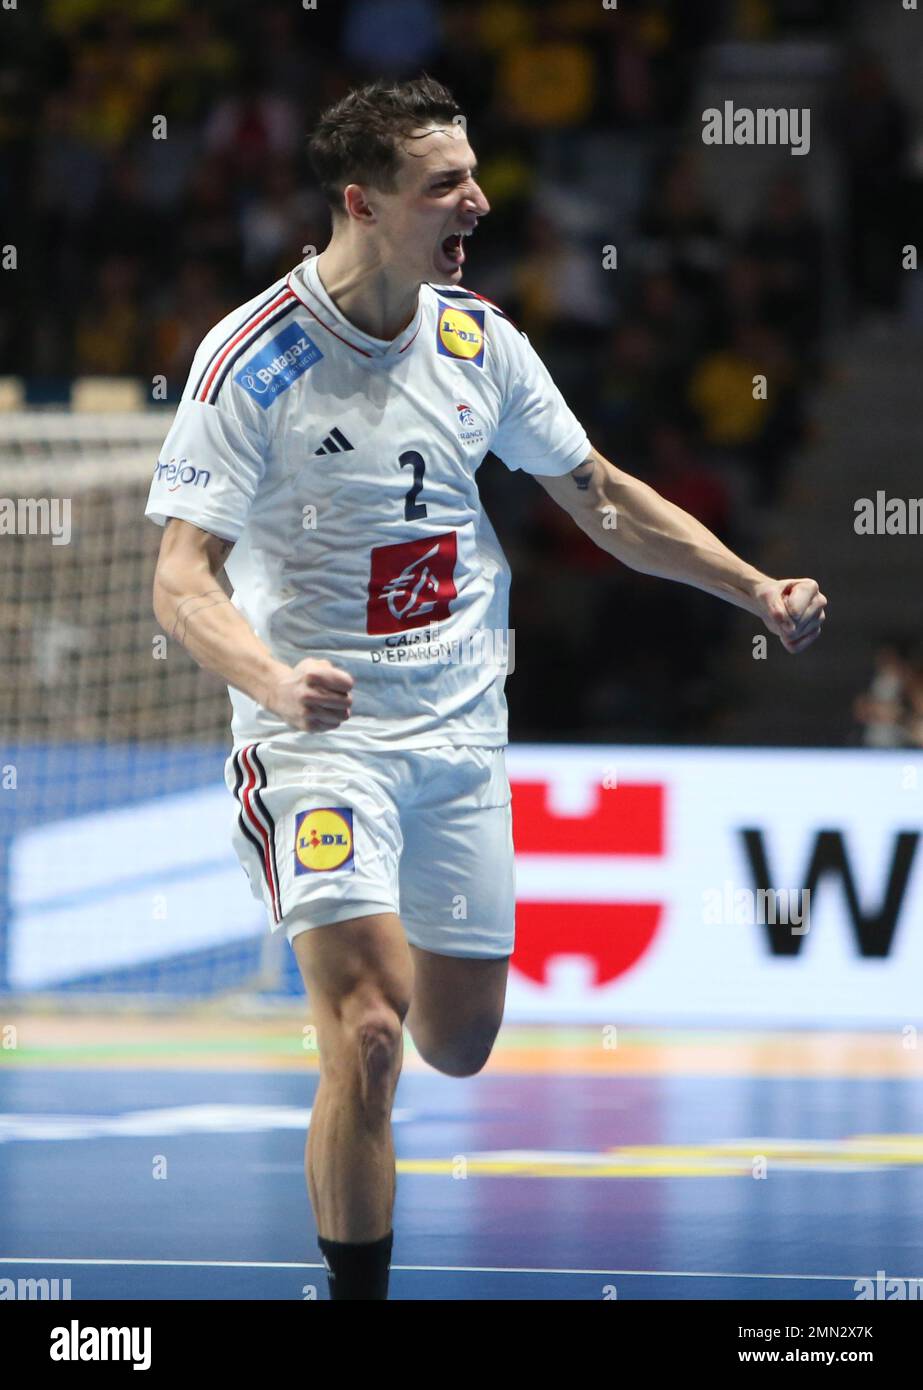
(656, 884)
(717, 885)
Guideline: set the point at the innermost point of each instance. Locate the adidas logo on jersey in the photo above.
(335, 443)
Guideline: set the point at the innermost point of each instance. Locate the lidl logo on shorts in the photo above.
(460, 333)
(324, 840)
(278, 364)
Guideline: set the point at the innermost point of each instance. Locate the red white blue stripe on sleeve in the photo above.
(266, 315)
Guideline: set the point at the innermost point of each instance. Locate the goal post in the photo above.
(117, 876)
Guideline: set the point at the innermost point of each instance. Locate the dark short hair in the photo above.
(355, 140)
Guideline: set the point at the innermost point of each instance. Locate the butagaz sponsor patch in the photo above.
(280, 363)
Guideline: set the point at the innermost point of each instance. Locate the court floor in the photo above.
(162, 1158)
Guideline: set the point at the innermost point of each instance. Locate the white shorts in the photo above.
(425, 833)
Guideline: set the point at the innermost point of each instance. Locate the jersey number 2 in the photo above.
(414, 510)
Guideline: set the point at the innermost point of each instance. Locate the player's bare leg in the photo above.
(359, 978)
(456, 1010)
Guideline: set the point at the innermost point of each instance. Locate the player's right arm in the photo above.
(193, 608)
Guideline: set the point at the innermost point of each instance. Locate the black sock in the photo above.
(357, 1271)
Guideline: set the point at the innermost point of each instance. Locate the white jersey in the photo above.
(343, 466)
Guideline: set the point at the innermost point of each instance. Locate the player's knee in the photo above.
(370, 1046)
(378, 1044)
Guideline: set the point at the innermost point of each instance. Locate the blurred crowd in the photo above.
(889, 714)
(134, 245)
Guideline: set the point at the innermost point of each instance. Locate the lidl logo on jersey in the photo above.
(460, 333)
(324, 840)
(280, 363)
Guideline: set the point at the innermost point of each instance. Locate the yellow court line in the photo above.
(648, 1161)
(491, 1168)
(843, 1153)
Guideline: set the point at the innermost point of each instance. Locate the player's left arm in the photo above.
(631, 521)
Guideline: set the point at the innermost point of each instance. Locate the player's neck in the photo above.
(373, 298)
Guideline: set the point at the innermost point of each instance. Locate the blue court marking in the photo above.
(231, 1218)
(224, 1279)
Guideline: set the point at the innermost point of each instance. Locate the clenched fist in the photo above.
(313, 696)
(794, 610)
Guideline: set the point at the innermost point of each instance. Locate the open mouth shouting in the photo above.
(451, 253)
